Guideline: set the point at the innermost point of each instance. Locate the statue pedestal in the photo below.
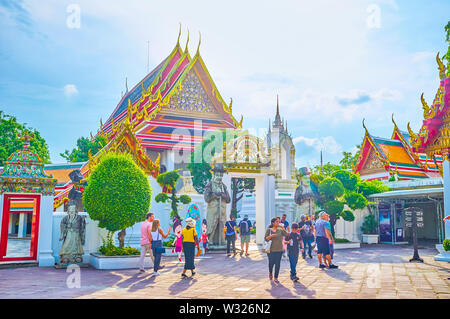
(64, 266)
(219, 249)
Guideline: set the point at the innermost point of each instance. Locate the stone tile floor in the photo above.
(376, 271)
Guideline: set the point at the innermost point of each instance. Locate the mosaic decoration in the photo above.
(191, 96)
(434, 135)
(374, 162)
(246, 153)
(24, 172)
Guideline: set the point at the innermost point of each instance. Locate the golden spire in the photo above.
(199, 41)
(364, 125)
(240, 122)
(186, 49)
(179, 34)
(426, 108)
(395, 124)
(231, 105)
(441, 67)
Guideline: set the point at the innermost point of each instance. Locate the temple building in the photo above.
(417, 168)
(160, 120)
(394, 158)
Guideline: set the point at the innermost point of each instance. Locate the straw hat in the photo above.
(190, 222)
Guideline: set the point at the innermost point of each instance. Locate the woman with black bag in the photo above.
(156, 236)
(275, 233)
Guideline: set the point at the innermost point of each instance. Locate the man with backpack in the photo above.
(245, 226)
(307, 235)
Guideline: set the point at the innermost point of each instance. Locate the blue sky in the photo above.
(332, 63)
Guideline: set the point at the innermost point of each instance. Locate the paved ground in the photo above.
(18, 247)
(380, 271)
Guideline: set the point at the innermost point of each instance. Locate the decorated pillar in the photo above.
(26, 189)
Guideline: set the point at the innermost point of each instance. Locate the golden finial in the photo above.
(395, 124)
(231, 105)
(364, 125)
(441, 67)
(187, 49)
(179, 34)
(92, 137)
(426, 108)
(199, 41)
(240, 122)
(101, 124)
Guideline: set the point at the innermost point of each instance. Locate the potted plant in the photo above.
(444, 251)
(369, 230)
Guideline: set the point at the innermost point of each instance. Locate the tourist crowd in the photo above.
(281, 239)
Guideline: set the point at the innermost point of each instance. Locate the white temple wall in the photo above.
(351, 230)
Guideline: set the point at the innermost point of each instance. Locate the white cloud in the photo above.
(70, 89)
(327, 144)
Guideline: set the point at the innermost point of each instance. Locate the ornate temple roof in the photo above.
(23, 172)
(176, 95)
(382, 157)
(434, 135)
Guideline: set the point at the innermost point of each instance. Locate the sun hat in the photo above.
(190, 222)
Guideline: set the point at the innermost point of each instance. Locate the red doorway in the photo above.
(23, 245)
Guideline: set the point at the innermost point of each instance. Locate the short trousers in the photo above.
(245, 238)
(323, 245)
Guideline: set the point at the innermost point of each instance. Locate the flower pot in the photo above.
(370, 238)
(443, 255)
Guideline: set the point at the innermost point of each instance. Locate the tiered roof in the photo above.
(23, 172)
(434, 135)
(176, 95)
(381, 158)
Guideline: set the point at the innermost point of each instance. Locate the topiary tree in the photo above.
(118, 194)
(343, 188)
(168, 182)
(348, 215)
(348, 180)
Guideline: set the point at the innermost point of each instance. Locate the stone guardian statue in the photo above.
(217, 197)
(73, 235)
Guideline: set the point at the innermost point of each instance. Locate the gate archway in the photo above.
(247, 156)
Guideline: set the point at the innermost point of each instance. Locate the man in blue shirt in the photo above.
(323, 240)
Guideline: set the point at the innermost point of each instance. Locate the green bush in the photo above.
(333, 207)
(118, 251)
(331, 188)
(118, 193)
(446, 244)
(347, 179)
(109, 249)
(368, 188)
(341, 240)
(369, 225)
(168, 242)
(348, 216)
(169, 180)
(355, 200)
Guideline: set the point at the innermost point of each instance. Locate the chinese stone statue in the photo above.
(73, 233)
(217, 197)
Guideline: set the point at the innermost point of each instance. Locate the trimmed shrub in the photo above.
(331, 188)
(348, 216)
(355, 200)
(118, 193)
(349, 180)
(334, 207)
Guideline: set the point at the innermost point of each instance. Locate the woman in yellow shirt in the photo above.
(189, 238)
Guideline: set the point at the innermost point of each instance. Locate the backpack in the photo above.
(244, 227)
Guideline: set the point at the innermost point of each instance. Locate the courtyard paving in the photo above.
(380, 271)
